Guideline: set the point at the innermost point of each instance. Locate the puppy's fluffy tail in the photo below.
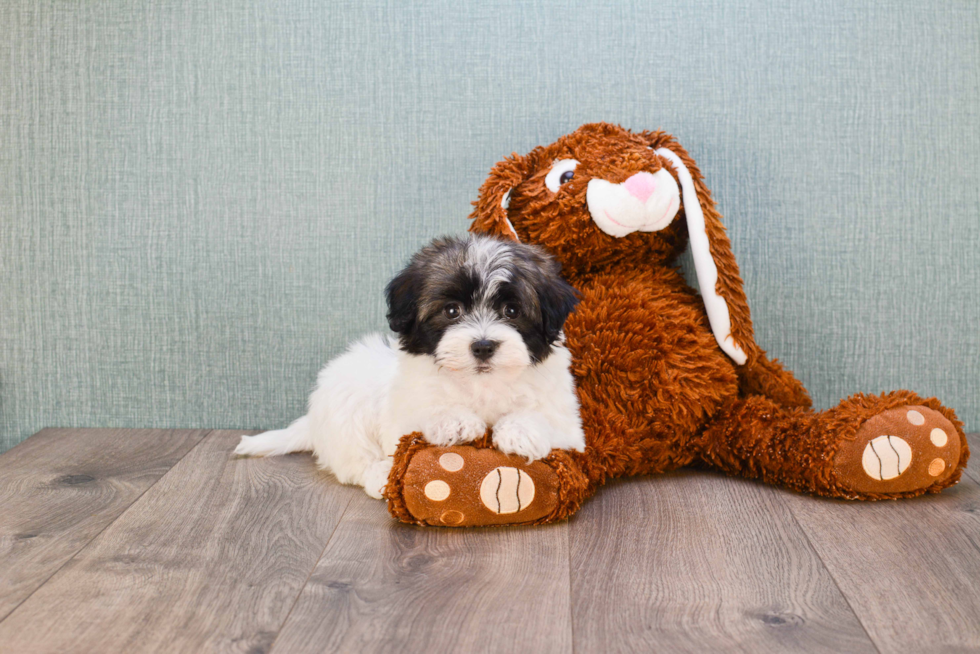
(294, 438)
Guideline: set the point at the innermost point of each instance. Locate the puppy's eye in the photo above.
(561, 173)
(512, 311)
(452, 311)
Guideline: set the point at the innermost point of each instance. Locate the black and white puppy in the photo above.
(480, 344)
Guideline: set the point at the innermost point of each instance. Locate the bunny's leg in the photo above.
(867, 447)
(762, 376)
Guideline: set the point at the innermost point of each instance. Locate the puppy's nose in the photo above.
(484, 349)
(641, 186)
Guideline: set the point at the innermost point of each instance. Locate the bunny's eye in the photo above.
(561, 173)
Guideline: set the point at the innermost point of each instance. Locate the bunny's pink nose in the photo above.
(641, 186)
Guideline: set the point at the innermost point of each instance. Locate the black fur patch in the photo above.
(445, 272)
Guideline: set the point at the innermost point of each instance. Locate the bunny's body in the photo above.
(667, 377)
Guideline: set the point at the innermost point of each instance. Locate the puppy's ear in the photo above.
(718, 276)
(490, 209)
(557, 299)
(402, 295)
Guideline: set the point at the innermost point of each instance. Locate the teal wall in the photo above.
(200, 202)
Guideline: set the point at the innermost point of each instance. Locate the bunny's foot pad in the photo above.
(476, 485)
(900, 450)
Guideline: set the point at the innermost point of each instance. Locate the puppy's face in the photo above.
(479, 305)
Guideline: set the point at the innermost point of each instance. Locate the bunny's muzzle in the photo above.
(646, 202)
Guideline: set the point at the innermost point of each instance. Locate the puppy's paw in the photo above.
(523, 435)
(453, 427)
(376, 477)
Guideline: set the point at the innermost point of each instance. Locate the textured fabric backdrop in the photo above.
(200, 202)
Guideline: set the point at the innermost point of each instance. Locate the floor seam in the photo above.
(299, 594)
(109, 524)
(830, 572)
(571, 595)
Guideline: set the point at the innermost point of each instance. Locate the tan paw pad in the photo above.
(915, 418)
(437, 490)
(506, 490)
(451, 461)
(886, 457)
(451, 518)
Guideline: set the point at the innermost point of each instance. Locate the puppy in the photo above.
(480, 344)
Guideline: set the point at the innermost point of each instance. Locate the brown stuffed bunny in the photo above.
(666, 377)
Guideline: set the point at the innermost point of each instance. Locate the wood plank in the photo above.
(694, 561)
(210, 558)
(382, 586)
(61, 487)
(909, 568)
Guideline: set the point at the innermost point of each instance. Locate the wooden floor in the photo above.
(151, 540)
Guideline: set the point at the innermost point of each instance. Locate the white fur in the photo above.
(618, 213)
(375, 393)
(488, 258)
(453, 351)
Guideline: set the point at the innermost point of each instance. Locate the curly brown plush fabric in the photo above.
(656, 390)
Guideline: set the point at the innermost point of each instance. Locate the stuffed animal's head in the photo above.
(604, 196)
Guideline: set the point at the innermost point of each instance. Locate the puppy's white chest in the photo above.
(488, 396)
(421, 390)
(492, 399)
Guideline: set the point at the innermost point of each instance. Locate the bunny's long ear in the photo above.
(718, 277)
(490, 209)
